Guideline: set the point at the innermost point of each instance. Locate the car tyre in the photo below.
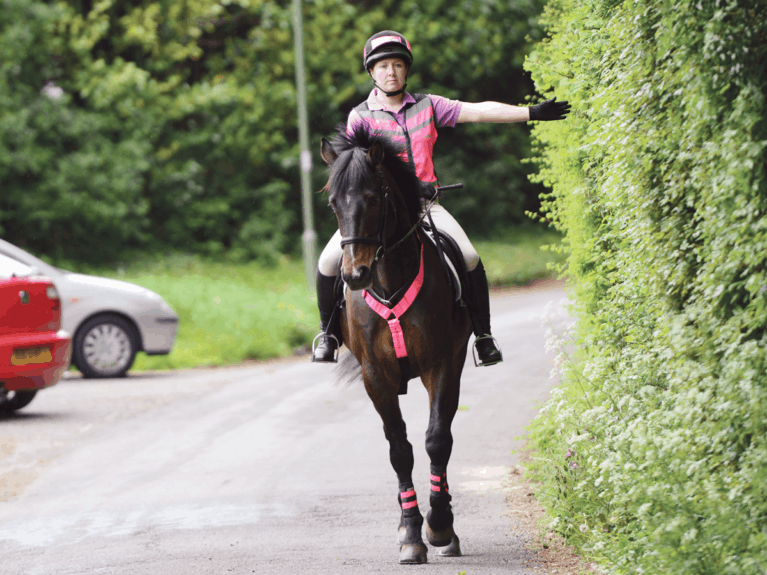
(10, 401)
(105, 346)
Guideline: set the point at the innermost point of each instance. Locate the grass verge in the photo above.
(232, 312)
(520, 257)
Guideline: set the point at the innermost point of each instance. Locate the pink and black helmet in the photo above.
(386, 44)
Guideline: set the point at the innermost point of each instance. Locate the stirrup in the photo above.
(474, 351)
(326, 337)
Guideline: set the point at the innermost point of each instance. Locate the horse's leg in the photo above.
(412, 548)
(444, 388)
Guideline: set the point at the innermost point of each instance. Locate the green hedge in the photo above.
(653, 449)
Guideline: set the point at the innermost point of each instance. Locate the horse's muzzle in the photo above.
(360, 278)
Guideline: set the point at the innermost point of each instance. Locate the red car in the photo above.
(34, 350)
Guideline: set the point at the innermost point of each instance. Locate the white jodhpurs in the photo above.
(330, 258)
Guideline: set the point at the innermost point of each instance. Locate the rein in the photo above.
(425, 212)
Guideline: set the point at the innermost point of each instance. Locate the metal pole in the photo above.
(309, 236)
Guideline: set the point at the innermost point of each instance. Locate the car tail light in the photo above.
(53, 295)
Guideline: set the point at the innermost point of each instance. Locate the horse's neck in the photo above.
(397, 269)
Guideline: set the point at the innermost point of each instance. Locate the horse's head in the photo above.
(359, 191)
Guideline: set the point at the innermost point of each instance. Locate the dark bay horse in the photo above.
(375, 196)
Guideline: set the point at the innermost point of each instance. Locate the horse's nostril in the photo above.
(361, 273)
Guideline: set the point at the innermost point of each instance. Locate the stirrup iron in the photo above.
(474, 351)
(326, 337)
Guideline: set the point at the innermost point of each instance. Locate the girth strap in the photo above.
(394, 325)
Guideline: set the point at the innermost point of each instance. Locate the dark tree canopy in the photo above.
(171, 124)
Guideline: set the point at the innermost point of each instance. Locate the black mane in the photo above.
(352, 168)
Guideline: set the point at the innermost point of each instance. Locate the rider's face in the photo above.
(390, 74)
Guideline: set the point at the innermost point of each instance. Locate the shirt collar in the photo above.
(374, 104)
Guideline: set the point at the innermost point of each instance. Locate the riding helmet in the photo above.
(386, 44)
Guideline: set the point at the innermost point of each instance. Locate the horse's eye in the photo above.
(374, 201)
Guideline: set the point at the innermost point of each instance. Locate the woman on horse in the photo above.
(412, 120)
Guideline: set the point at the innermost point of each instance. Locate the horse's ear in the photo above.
(327, 152)
(376, 154)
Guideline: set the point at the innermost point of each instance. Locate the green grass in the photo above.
(231, 312)
(517, 259)
(228, 312)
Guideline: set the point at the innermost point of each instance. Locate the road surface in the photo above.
(262, 468)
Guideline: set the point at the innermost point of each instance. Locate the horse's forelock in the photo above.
(350, 171)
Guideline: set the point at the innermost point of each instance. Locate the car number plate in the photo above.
(30, 355)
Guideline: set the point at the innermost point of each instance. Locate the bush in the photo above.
(653, 450)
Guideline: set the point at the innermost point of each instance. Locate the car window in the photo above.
(10, 268)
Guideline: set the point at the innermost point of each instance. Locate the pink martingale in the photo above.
(398, 310)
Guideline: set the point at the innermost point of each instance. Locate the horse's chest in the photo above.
(382, 340)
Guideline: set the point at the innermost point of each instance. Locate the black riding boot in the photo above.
(484, 344)
(328, 345)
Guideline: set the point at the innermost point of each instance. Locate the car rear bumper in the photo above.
(39, 372)
(158, 334)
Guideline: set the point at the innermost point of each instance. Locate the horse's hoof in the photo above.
(439, 538)
(412, 554)
(453, 549)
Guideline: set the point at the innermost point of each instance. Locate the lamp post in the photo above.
(309, 237)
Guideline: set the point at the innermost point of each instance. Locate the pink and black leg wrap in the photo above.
(440, 515)
(439, 486)
(408, 501)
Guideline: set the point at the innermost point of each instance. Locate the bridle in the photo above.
(380, 238)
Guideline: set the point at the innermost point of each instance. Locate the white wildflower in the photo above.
(52, 91)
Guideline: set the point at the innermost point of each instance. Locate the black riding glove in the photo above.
(550, 110)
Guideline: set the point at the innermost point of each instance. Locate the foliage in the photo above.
(654, 449)
(66, 181)
(171, 124)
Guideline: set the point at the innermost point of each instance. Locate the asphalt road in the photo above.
(263, 468)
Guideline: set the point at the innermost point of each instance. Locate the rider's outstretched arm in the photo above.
(506, 113)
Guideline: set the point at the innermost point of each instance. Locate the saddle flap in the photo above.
(456, 267)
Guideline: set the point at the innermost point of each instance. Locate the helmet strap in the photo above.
(390, 94)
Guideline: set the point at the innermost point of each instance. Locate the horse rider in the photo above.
(413, 120)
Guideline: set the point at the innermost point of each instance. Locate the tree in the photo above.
(70, 184)
(175, 128)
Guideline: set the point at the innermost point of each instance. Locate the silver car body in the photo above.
(85, 296)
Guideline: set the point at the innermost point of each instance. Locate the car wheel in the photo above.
(105, 346)
(13, 400)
